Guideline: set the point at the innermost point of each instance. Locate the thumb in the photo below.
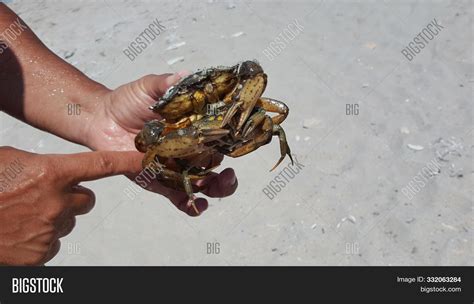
(75, 168)
(155, 86)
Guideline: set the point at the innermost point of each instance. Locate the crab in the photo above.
(217, 110)
(176, 155)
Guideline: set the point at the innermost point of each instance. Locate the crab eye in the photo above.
(249, 68)
(152, 131)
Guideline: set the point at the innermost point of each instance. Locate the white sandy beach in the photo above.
(346, 206)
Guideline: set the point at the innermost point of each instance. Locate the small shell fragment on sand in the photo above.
(446, 148)
(349, 218)
(238, 34)
(449, 227)
(175, 60)
(415, 147)
(176, 45)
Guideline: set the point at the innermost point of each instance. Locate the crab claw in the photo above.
(249, 94)
(230, 113)
(253, 122)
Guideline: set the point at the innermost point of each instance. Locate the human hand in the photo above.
(108, 120)
(40, 197)
(121, 114)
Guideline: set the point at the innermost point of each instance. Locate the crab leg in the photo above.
(213, 134)
(230, 113)
(284, 148)
(253, 122)
(253, 144)
(185, 177)
(263, 138)
(183, 123)
(274, 106)
(185, 142)
(188, 186)
(189, 191)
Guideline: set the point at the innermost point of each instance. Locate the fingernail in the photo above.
(183, 73)
(233, 180)
(172, 79)
(175, 77)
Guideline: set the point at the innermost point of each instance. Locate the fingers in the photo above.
(66, 226)
(53, 250)
(201, 206)
(75, 168)
(184, 73)
(178, 198)
(219, 185)
(215, 185)
(156, 85)
(81, 199)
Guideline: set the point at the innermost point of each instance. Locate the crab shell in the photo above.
(192, 93)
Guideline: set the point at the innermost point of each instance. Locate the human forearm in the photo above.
(36, 86)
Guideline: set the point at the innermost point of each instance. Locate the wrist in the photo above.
(83, 109)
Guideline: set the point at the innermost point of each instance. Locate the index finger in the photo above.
(88, 166)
